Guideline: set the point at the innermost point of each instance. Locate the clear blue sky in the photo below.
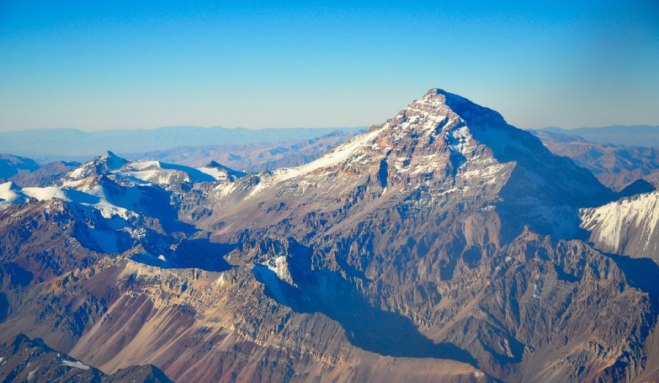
(139, 64)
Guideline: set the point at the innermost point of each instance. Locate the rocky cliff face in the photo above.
(442, 245)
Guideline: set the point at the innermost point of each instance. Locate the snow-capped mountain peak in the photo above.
(100, 165)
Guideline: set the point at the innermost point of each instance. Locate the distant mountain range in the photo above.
(252, 157)
(45, 145)
(616, 166)
(630, 135)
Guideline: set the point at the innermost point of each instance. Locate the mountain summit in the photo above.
(442, 147)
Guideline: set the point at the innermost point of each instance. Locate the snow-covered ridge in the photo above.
(11, 193)
(75, 364)
(337, 156)
(108, 161)
(94, 197)
(351, 150)
(611, 223)
(145, 172)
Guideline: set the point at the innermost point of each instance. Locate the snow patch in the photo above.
(75, 364)
(46, 194)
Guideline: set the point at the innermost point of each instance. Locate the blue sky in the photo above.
(143, 64)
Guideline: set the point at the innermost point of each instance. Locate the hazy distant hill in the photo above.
(253, 157)
(72, 144)
(632, 135)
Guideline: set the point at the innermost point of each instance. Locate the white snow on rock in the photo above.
(75, 364)
(612, 222)
(216, 173)
(350, 150)
(93, 197)
(9, 193)
(459, 139)
(108, 161)
(153, 172)
(279, 265)
(46, 193)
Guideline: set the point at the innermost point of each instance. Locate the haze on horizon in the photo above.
(125, 64)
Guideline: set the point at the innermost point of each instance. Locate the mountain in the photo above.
(11, 165)
(431, 150)
(628, 135)
(71, 144)
(26, 360)
(616, 166)
(441, 245)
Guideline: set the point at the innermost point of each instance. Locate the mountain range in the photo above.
(616, 166)
(47, 145)
(441, 245)
(629, 135)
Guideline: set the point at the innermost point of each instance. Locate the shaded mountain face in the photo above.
(616, 166)
(442, 245)
(27, 360)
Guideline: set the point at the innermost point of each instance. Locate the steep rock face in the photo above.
(629, 226)
(438, 246)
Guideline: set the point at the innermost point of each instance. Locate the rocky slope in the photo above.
(442, 245)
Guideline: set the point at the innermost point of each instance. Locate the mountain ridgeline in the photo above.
(441, 245)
